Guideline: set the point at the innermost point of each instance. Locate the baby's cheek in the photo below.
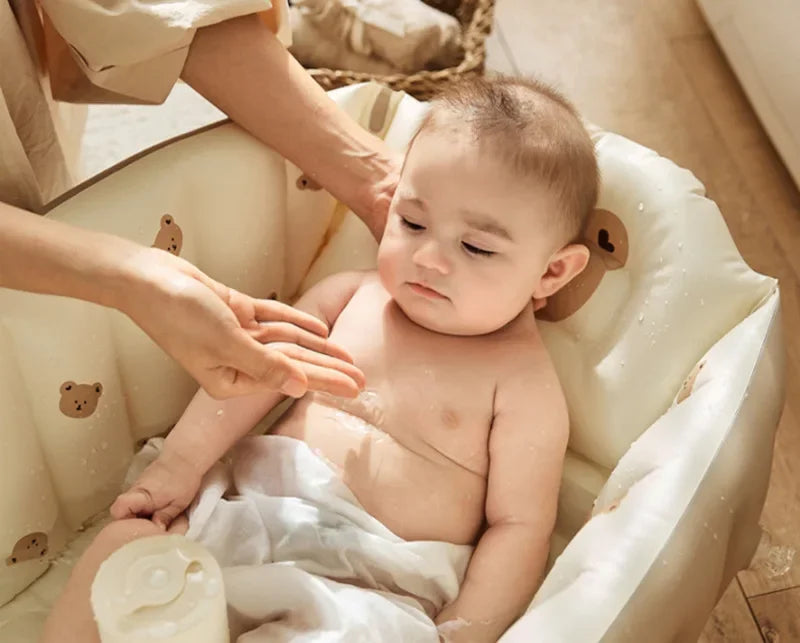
(389, 263)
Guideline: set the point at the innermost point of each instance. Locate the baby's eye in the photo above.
(475, 250)
(416, 227)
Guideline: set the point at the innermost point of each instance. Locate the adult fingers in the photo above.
(309, 357)
(267, 310)
(253, 363)
(269, 332)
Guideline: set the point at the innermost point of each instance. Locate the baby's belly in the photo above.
(416, 495)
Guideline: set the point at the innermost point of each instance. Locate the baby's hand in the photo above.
(161, 493)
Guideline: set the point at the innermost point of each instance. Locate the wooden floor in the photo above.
(652, 71)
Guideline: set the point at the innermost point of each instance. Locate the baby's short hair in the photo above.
(535, 130)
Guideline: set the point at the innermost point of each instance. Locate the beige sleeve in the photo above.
(137, 48)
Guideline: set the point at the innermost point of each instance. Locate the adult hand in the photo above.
(232, 344)
(381, 194)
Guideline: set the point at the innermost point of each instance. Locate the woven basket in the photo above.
(475, 17)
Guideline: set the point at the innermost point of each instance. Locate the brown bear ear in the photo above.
(606, 235)
(167, 220)
(98, 388)
(67, 386)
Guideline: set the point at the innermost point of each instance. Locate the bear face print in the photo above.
(30, 547)
(170, 236)
(79, 400)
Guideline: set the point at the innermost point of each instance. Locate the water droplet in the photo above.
(680, 245)
(661, 260)
(722, 498)
(715, 536)
(641, 317)
(666, 302)
(622, 364)
(646, 301)
(702, 302)
(84, 461)
(641, 207)
(683, 270)
(92, 472)
(220, 412)
(104, 445)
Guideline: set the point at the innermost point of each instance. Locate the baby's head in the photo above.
(493, 196)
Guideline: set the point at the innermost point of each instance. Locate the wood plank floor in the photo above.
(653, 72)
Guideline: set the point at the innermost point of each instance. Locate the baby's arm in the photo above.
(526, 449)
(209, 427)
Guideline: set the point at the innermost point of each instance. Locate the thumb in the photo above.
(268, 367)
(163, 517)
(132, 503)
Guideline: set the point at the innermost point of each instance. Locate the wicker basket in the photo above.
(475, 17)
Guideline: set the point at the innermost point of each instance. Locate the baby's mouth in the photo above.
(425, 291)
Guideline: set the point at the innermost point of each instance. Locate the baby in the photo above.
(461, 432)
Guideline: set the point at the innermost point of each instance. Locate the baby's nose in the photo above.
(431, 256)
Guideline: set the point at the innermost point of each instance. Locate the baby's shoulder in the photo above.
(524, 367)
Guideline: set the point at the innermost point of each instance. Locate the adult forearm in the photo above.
(51, 257)
(243, 69)
(503, 574)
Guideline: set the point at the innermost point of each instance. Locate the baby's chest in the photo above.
(421, 378)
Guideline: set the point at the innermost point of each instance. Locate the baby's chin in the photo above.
(446, 322)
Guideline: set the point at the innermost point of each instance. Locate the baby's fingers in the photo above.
(132, 503)
(163, 517)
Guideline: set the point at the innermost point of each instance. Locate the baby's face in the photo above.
(466, 243)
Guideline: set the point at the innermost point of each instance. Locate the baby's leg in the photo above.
(71, 619)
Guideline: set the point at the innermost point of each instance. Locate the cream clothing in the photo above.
(132, 51)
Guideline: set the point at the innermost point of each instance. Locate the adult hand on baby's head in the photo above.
(232, 344)
(381, 197)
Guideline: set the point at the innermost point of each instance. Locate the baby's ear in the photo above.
(565, 265)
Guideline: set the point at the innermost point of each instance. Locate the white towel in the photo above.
(303, 561)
